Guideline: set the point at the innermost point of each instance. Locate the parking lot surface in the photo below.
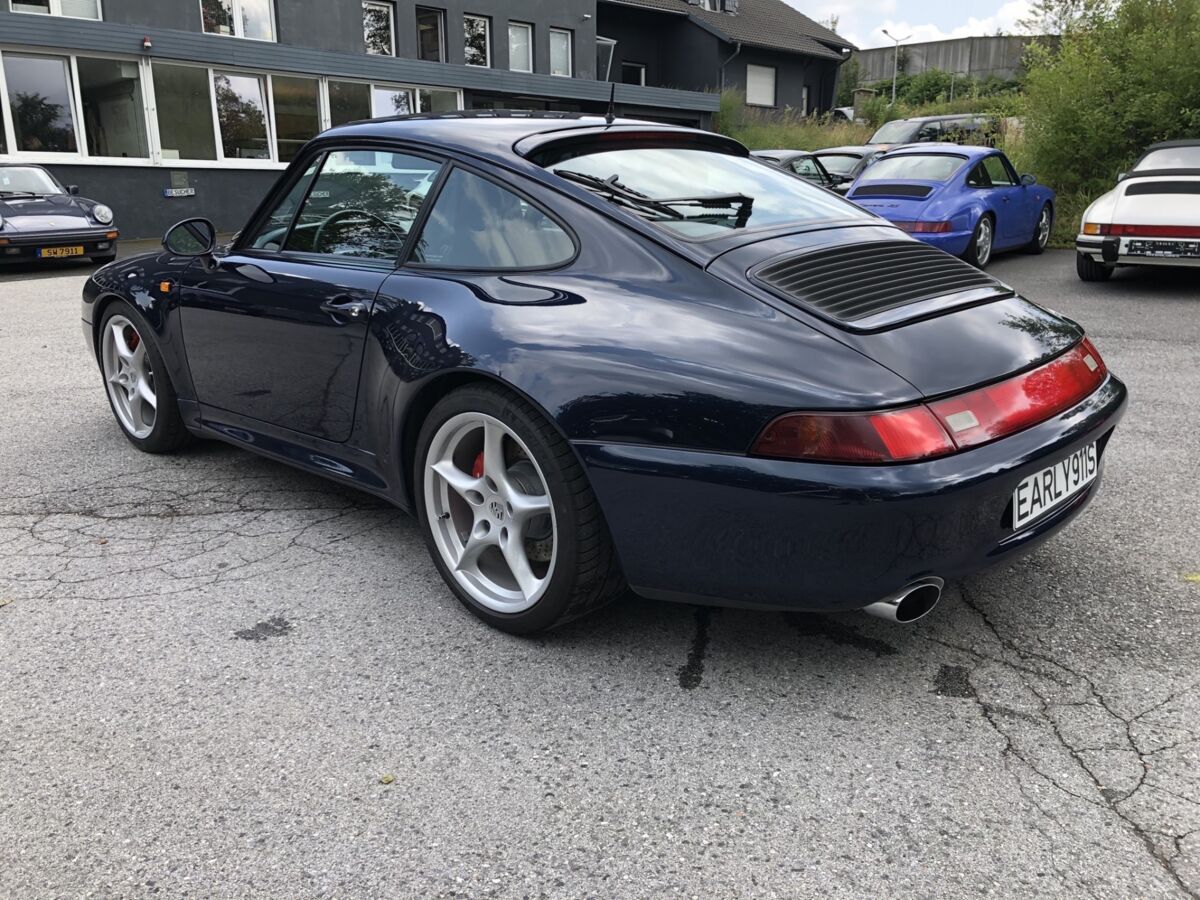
(223, 678)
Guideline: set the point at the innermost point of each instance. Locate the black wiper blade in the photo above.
(744, 204)
(19, 194)
(626, 196)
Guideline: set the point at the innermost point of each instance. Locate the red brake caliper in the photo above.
(132, 338)
(477, 468)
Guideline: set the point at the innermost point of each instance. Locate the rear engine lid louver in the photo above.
(893, 190)
(878, 284)
(1162, 187)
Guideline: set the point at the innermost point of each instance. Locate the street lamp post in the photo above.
(895, 61)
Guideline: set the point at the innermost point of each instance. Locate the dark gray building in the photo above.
(168, 108)
(778, 57)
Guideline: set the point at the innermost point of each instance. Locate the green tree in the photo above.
(847, 82)
(1114, 84)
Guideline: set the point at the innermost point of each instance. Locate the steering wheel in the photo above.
(347, 213)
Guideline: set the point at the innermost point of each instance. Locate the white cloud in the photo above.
(862, 21)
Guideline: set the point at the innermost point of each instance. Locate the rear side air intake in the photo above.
(872, 285)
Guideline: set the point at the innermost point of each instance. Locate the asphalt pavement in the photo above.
(220, 677)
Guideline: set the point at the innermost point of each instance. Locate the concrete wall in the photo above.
(135, 194)
(976, 56)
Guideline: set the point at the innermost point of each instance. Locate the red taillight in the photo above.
(942, 427)
(924, 227)
(1017, 403)
(894, 436)
(1153, 231)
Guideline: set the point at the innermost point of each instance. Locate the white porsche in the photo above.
(1151, 218)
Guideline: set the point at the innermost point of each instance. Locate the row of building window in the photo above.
(255, 19)
(109, 108)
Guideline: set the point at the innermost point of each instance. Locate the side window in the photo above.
(930, 131)
(806, 167)
(362, 204)
(997, 172)
(476, 224)
(274, 229)
(978, 177)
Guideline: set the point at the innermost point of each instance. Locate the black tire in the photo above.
(1090, 270)
(586, 574)
(169, 433)
(972, 254)
(1037, 245)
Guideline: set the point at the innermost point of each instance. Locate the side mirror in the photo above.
(1028, 180)
(191, 237)
(73, 190)
(1122, 176)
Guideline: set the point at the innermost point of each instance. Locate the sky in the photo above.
(861, 21)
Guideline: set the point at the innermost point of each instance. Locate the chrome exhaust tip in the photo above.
(910, 602)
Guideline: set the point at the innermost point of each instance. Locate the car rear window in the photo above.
(699, 193)
(838, 163)
(1170, 158)
(898, 132)
(915, 166)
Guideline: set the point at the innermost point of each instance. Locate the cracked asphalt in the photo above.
(223, 678)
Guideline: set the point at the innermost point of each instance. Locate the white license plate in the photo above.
(1043, 491)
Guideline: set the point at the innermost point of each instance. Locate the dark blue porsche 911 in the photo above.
(590, 354)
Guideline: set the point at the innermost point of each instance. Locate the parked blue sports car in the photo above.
(968, 201)
(589, 353)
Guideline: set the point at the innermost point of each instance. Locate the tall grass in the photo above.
(787, 130)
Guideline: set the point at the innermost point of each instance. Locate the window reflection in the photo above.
(113, 118)
(297, 113)
(40, 97)
(242, 117)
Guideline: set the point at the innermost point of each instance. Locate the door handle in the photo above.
(343, 306)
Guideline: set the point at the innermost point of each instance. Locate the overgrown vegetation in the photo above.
(1126, 73)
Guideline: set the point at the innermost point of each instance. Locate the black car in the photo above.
(935, 129)
(41, 219)
(599, 352)
(804, 164)
(847, 163)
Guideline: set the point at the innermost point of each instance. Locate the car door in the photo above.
(1007, 197)
(275, 329)
(809, 169)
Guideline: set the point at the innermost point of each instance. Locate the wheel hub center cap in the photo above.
(497, 510)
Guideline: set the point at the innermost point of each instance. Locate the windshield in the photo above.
(26, 180)
(897, 132)
(918, 167)
(1170, 158)
(839, 163)
(701, 193)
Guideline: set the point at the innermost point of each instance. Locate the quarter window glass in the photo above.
(560, 52)
(431, 30)
(274, 230)
(476, 224)
(362, 204)
(390, 102)
(477, 49)
(297, 113)
(978, 178)
(113, 113)
(242, 116)
(520, 47)
(997, 172)
(349, 101)
(40, 96)
(377, 28)
(185, 125)
(806, 167)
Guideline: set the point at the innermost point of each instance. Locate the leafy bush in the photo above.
(1114, 84)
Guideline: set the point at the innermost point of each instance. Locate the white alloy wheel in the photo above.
(984, 237)
(1043, 227)
(490, 513)
(128, 376)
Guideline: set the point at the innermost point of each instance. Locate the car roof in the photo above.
(498, 132)
(860, 150)
(945, 118)
(781, 152)
(1162, 145)
(942, 149)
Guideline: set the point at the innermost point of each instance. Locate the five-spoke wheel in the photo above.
(508, 513)
(128, 376)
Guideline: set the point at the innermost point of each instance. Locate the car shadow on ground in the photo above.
(48, 269)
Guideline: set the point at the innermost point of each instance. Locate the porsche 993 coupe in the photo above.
(592, 353)
(42, 219)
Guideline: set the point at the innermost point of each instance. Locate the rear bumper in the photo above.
(27, 246)
(1114, 251)
(731, 530)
